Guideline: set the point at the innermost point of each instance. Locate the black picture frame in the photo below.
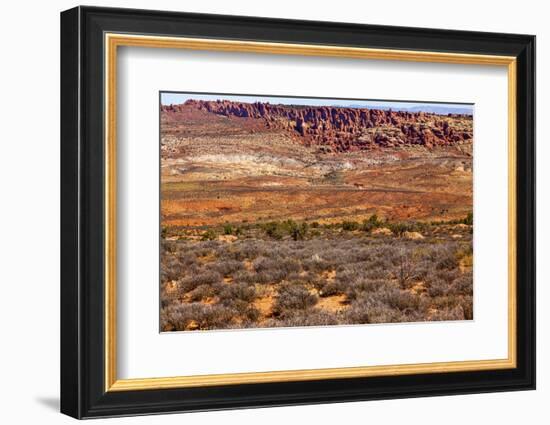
(83, 392)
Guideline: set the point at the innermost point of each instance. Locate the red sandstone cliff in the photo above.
(342, 129)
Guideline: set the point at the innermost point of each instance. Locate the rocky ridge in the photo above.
(344, 129)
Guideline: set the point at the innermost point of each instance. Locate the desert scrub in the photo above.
(171, 268)
(373, 222)
(271, 271)
(350, 225)
(369, 309)
(452, 313)
(467, 304)
(316, 263)
(399, 299)
(180, 317)
(287, 265)
(227, 268)
(361, 286)
(293, 296)
(333, 288)
(209, 235)
(463, 285)
(447, 260)
(205, 291)
(238, 291)
(374, 279)
(310, 317)
(400, 228)
(298, 232)
(274, 230)
(206, 277)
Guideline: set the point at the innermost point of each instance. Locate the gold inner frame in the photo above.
(113, 41)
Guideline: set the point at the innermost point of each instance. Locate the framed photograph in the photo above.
(261, 212)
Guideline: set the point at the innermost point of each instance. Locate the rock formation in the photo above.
(343, 129)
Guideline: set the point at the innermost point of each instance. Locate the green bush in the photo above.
(209, 235)
(315, 233)
(297, 231)
(278, 229)
(350, 225)
(399, 228)
(373, 222)
(469, 219)
(273, 229)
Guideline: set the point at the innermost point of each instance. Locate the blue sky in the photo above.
(177, 98)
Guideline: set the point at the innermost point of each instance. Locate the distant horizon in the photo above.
(176, 98)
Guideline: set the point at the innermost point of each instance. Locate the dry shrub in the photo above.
(375, 274)
(333, 288)
(370, 309)
(361, 286)
(203, 316)
(437, 287)
(228, 267)
(454, 313)
(203, 277)
(399, 299)
(205, 291)
(463, 285)
(467, 304)
(310, 317)
(293, 296)
(238, 291)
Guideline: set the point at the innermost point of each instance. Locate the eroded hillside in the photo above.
(342, 129)
(233, 162)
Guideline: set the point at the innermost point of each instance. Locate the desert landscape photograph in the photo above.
(290, 212)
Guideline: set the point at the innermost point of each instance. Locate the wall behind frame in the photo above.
(29, 217)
